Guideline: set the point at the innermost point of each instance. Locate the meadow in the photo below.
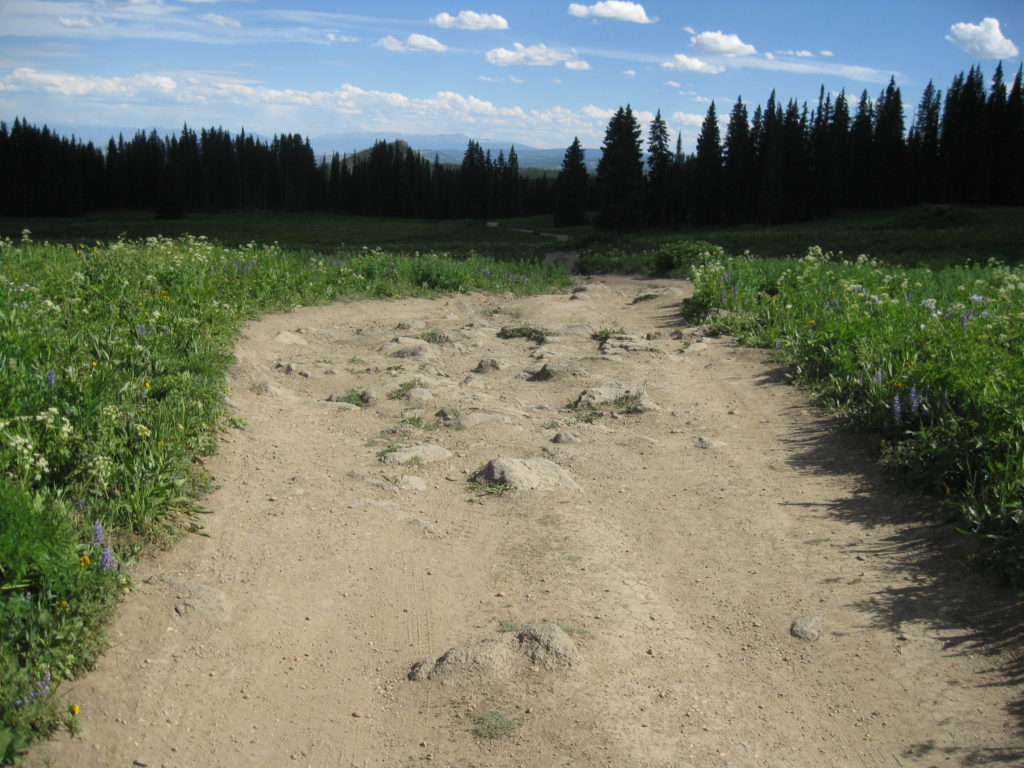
(112, 378)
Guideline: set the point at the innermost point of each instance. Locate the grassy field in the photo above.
(321, 233)
(112, 371)
(925, 236)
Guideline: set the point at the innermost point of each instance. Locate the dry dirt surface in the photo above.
(691, 567)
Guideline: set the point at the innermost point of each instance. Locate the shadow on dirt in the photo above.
(974, 615)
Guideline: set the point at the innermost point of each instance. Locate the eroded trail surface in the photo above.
(661, 541)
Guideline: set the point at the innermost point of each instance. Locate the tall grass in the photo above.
(112, 377)
(931, 359)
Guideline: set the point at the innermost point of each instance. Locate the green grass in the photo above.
(603, 334)
(322, 233)
(405, 387)
(525, 332)
(494, 725)
(930, 359)
(112, 380)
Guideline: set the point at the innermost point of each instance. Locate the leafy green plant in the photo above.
(602, 335)
(494, 724)
(405, 387)
(525, 332)
(353, 396)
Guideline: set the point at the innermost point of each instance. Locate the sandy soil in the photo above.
(677, 558)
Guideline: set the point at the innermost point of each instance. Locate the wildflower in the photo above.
(75, 709)
(85, 561)
(964, 319)
(51, 379)
(897, 408)
(108, 562)
(915, 401)
(877, 378)
(98, 534)
(976, 298)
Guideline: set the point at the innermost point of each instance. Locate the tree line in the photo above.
(781, 163)
(788, 163)
(44, 174)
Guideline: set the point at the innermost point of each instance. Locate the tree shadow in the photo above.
(974, 615)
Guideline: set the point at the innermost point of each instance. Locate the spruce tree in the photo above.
(620, 174)
(707, 179)
(659, 166)
(739, 172)
(571, 188)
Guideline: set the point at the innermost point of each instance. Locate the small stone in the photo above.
(140, 762)
(806, 628)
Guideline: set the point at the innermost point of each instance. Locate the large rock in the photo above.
(526, 475)
(406, 347)
(544, 646)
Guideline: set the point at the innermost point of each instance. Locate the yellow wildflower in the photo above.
(84, 561)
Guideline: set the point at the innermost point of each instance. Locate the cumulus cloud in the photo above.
(684, 63)
(414, 42)
(597, 113)
(688, 119)
(629, 72)
(538, 55)
(470, 20)
(221, 21)
(619, 10)
(983, 41)
(722, 44)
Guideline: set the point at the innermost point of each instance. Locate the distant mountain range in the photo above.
(447, 147)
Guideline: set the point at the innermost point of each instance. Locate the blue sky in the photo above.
(533, 72)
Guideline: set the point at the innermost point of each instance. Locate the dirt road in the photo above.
(674, 529)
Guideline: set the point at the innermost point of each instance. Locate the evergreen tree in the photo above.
(571, 188)
(739, 170)
(1013, 149)
(889, 149)
(659, 168)
(707, 178)
(620, 174)
(923, 148)
(861, 156)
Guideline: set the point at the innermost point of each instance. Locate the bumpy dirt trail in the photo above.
(675, 538)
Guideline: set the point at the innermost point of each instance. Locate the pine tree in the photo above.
(620, 174)
(571, 188)
(1013, 150)
(923, 148)
(707, 179)
(861, 156)
(889, 149)
(659, 165)
(739, 171)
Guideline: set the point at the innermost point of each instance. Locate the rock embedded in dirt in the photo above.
(544, 646)
(488, 364)
(708, 444)
(418, 395)
(609, 393)
(625, 343)
(423, 453)
(552, 370)
(806, 628)
(406, 347)
(565, 437)
(526, 475)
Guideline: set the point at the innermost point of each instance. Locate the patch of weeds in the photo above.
(572, 629)
(494, 724)
(484, 487)
(353, 396)
(405, 386)
(433, 336)
(553, 424)
(511, 625)
(604, 334)
(237, 422)
(394, 368)
(259, 386)
(573, 558)
(355, 360)
(627, 404)
(389, 449)
(525, 332)
(420, 423)
(644, 297)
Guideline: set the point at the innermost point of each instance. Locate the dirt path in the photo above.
(676, 554)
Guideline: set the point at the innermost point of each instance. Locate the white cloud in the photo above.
(414, 42)
(596, 113)
(514, 79)
(702, 99)
(826, 53)
(534, 56)
(470, 20)
(689, 30)
(331, 37)
(983, 41)
(673, 84)
(791, 52)
(612, 9)
(221, 21)
(79, 22)
(722, 44)
(688, 119)
(629, 72)
(685, 63)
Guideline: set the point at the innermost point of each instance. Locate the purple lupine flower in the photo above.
(107, 562)
(976, 298)
(964, 319)
(897, 409)
(915, 401)
(142, 331)
(877, 378)
(99, 535)
(51, 379)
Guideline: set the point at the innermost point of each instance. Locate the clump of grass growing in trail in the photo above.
(494, 725)
(602, 335)
(112, 379)
(405, 387)
(930, 359)
(646, 255)
(525, 332)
